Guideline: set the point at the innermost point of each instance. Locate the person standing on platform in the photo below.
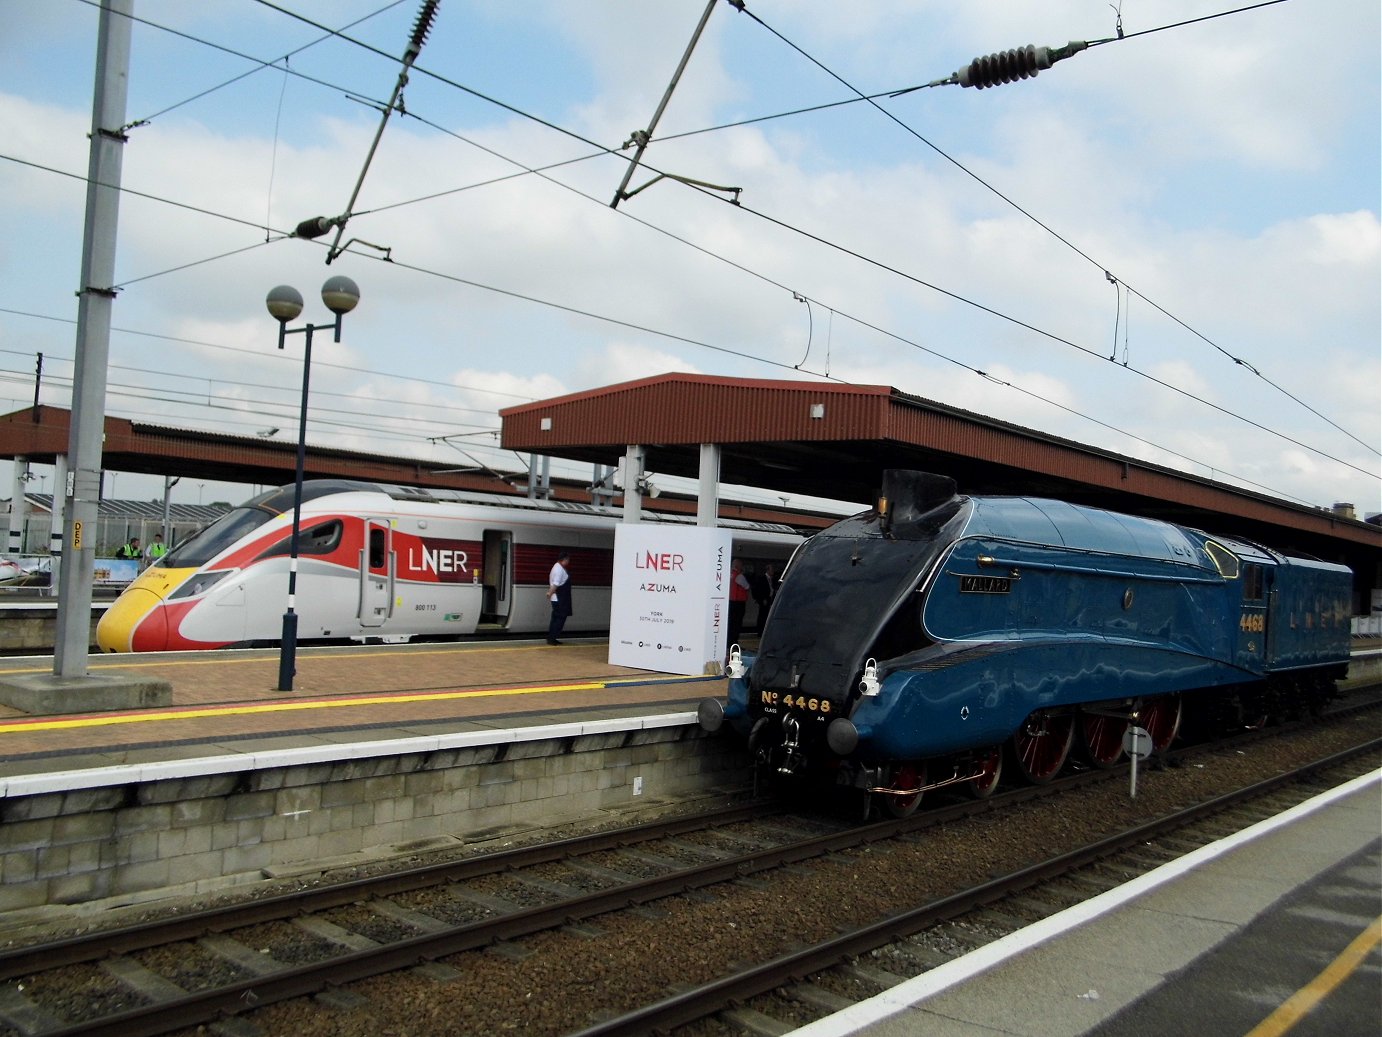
(155, 551)
(738, 600)
(559, 594)
(129, 549)
(762, 594)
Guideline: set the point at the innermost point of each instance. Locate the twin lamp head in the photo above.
(339, 293)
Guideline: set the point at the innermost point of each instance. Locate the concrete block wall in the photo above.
(35, 629)
(129, 834)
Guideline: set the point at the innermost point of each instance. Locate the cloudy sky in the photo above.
(1166, 245)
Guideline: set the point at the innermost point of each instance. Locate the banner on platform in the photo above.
(669, 605)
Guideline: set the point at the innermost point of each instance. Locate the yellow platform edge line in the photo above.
(249, 709)
(1299, 1004)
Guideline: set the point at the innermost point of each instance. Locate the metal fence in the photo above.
(111, 533)
(116, 523)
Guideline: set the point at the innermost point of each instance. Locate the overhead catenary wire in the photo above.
(1052, 336)
(320, 225)
(724, 350)
(351, 368)
(1128, 290)
(959, 298)
(1086, 416)
(256, 416)
(741, 6)
(721, 349)
(259, 65)
(1001, 72)
(197, 400)
(741, 354)
(20, 378)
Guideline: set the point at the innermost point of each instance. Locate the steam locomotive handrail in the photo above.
(988, 561)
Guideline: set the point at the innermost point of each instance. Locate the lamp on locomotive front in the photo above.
(284, 303)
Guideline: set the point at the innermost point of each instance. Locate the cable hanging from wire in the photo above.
(880, 265)
(1005, 317)
(1010, 66)
(975, 76)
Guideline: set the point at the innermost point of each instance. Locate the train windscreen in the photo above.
(216, 537)
(207, 543)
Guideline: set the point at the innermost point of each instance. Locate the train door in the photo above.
(497, 577)
(1252, 617)
(376, 573)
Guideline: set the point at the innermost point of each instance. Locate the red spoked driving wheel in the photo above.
(1102, 737)
(1042, 744)
(990, 766)
(908, 779)
(1161, 718)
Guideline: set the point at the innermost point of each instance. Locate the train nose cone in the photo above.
(134, 623)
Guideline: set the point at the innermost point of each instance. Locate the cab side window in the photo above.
(1254, 582)
(320, 539)
(1224, 560)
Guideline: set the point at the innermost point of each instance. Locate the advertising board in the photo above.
(669, 604)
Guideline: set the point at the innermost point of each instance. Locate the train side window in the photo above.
(1224, 560)
(1254, 583)
(376, 548)
(320, 539)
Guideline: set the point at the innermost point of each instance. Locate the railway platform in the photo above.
(379, 751)
(395, 750)
(1272, 931)
(228, 702)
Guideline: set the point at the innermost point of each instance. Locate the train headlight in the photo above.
(199, 583)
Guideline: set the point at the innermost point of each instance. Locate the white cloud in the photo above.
(1227, 172)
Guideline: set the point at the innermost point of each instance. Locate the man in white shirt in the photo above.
(559, 594)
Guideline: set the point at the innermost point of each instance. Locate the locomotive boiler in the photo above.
(923, 642)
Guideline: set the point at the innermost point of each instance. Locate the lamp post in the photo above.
(284, 304)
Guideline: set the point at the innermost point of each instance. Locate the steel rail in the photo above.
(692, 1005)
(22, 961)
(242, 996)
(245, 995)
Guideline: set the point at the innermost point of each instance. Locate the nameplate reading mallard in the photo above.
(985, 584)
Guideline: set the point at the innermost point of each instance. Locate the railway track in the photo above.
(808, 981)
(222, 963)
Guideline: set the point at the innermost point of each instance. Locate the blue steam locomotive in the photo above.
(922, 643)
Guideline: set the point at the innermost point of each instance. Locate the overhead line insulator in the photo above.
(1008, 66)
(422, 26)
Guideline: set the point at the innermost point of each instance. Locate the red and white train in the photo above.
(384, 562)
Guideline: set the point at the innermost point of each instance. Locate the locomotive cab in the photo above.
(849, 601)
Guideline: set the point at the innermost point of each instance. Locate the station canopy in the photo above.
(834, 441)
